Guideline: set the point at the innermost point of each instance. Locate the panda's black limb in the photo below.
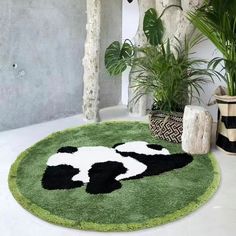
(158, 164)
(60, 177)
(102, 177)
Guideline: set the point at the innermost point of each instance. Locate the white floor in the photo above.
(216, 218)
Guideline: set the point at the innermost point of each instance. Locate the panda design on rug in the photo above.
(101, 168)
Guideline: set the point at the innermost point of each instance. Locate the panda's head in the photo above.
(141, 147)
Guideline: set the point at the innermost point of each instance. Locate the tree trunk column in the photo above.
(185, 27)
(175, 20)
(140, 107)
(171, 16)
(91, 61)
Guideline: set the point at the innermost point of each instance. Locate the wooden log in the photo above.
(197, 126)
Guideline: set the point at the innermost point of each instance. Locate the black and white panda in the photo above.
(101, 168)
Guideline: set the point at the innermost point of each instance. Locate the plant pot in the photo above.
(166, 126)
(226, 131)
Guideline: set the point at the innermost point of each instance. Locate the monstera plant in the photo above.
(164, 69)
(119, 56)
(216, 19)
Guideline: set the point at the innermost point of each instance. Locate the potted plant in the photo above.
(163, 69)
(216, 19)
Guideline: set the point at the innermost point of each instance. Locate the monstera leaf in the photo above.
(153, 27)
(118, 57)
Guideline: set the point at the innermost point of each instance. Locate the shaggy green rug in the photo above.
(139, 203)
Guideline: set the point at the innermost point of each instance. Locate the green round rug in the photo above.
(139, 203)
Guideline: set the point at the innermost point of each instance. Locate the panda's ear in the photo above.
(118, 144)
(68, 149)
(155, 147)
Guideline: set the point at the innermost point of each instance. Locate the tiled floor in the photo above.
(216, 218)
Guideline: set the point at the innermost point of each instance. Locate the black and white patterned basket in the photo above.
(166, 126)
(226, 132)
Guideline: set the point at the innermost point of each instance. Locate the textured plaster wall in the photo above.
(41, 51)
(110, 88)
(206, 50)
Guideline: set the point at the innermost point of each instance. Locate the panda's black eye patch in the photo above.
(155, 147)
(68, 149)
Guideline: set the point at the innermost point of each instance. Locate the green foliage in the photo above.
(162, 69)
(153, 27)
(216, 19)
(118, 56)
(170, 74)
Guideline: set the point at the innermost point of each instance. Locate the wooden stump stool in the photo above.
(197, 125)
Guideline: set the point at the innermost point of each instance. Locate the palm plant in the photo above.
(170, 74)
(216, 19)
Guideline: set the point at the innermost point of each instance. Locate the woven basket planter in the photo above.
(166, 126)
(226, 132)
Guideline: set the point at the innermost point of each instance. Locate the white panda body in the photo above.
(86, 157)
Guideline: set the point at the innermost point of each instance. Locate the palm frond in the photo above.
(170, 74)
(216, 19)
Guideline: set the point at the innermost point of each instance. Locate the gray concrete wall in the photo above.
(110, 87)
(45, 39)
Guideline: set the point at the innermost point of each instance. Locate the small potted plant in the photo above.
(216, 19)
(163, 69)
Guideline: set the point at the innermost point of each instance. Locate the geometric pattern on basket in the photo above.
(169, 129)
(226, 133)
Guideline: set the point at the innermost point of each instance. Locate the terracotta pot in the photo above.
(226, 131)
(166, 126)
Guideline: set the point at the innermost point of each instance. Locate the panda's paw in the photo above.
(96, 188)
(102, 177)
